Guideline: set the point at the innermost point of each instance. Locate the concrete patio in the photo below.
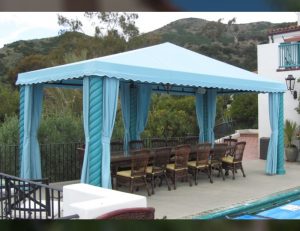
(186, 202)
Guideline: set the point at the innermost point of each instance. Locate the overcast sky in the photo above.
(27, 25)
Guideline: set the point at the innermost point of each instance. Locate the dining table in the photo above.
(120, 161)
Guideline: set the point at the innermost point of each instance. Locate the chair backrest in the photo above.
(203, 153)
(219, 151)
(192, 140)
(161, 158)
(138, 213)
(230, 141)
(158, 143)
(116, 146)
(239, 151)
(139, 162)
(182, 153)
(172, 142)
(136, 144)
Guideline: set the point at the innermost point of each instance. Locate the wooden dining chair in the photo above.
(158, 169)
(172, 142)
(136, 145)
(158, 143)
(219, 151)
(234, 162)
(116, 146)
(202, 162)
(191, 140)
(230, 141)
(179, 169)
(231, 144)
(136, 176)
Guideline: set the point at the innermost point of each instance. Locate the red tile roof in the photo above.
(284, 30)
(292, 39)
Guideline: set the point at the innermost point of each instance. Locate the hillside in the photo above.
(235, 45)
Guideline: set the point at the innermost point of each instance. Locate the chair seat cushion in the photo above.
(172, 167)
(149, 169)
(153, 170)
(229, 160)
(125, 173)
(193, 164)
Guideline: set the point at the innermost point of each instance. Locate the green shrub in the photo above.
(61, 128)
(9, 130)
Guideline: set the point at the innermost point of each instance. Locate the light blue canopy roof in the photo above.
(159, 64)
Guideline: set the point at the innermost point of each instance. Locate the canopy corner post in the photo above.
(93, 112)
(280, 159)
(21, 125)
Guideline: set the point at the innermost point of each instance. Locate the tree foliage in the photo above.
(233, 29)
(61, 128)
(9, 99)
(171, 116)
(28, 63)
(9, 130)
(244, 110)
(120, 22)
(69, 24)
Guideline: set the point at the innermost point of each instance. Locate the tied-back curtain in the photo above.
(275, 155)
(135, 101)
(93, 122)
(143, 103)
(125, 105)
(110, 105)
(200, 116)
(32, 99)
(211, 114)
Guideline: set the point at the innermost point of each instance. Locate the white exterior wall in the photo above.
(279, 38)
(268, 63)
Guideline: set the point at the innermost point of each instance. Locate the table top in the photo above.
(119, 156)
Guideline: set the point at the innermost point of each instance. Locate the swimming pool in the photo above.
(285, 205)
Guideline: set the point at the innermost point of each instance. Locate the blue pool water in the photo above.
(287, 211)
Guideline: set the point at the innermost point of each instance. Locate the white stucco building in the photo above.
(276, 60)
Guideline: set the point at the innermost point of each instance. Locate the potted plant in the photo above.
(298, 138)
(291, 151)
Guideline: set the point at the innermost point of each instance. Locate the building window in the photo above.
(289, 55)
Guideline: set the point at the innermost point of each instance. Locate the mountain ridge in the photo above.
(234, 44)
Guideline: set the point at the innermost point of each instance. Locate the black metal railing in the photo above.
(289, 55)
(224, 129)
(25, 199)
(60, 162)
(9, 159)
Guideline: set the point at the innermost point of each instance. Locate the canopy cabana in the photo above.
(134, 75)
